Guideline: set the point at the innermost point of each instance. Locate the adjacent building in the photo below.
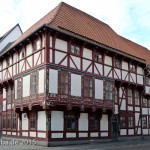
(71, 77)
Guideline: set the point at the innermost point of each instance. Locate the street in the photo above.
(137, 145)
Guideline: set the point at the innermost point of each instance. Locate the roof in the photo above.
(5, 35)
(68, 18)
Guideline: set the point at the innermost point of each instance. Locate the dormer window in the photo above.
(117, 63)
(132, 67)
(98, 57)
(36, 44)
(75, 50)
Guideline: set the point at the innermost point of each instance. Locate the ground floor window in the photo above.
(4, 121)
(130, 122)
(122, 122)
(33, 121)
(70, 121)
(14, 121)
(144, 121)
(93, 122)
(8, 120)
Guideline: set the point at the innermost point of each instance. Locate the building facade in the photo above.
(65, 81)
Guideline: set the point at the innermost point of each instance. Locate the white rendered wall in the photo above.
(15, 89)
(98, 89)
(76, 60)
(104, 123)
(61, 45)
(53, 81)
(108, 60)
(24, 122)
(57, 120)
(75, 85)
(26, 86)
(41, 81)
(140, 70)
(87, 53)
(83, 122)
(41, 123)
(4, 93)
(59, 57)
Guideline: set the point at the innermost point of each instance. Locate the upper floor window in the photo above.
(22, 54)
(130, 97)
(19, 88)
(116, 95)
(108, 90)
(9, 61)
(64, 82)
(132, 67)
(98, 57)
(144, 102)
(33, 121)
(88, 84)
(36, 44)
(33, 83)
(0, 66)
(147, 81)
(75, 49)
(117, 63)
(9, 95)
(137, 98)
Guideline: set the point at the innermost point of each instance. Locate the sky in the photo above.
(128, 18)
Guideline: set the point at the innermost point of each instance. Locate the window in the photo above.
(148, 102)
(132, 67)
(122, 122)
(116, 95)
(64, 82)
(130, 101)
(137, 98)
(4, 121)
(144, 121)
(144, 102)
(19, 89)
(108, 90)
(70, 122)
(149, 121)
(33, 83)
(8, 120)
(98, 57)
(33, 121)
(36, 44)
(9, 61)
(14, 121)
(88, 84)
(93, 122)
(9, 95)
(130, 122)
(75, 50)
(117, 63)
(147, 81)
(22, 54)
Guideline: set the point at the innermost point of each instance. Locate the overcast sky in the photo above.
(129, 18)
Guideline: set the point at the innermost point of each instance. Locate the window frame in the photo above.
(132, 67)
(144, 126)
(33, 119)
(96, 57)
(108, 92)
(8, 120)
(147, 81)
(137, 97)
(130, 96)
(116, 62)
(34, 83)
(88, 87)
(14, 121)
(124, 122)
(92, 118)
(130, 121)
(19, 88)
(64, 83)
(75, 51)
(144, 102)
(4, 121)
(9, 95)
(36, 44)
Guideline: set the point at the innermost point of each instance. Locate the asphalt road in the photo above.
(138, 145)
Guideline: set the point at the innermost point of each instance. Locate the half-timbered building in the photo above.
(71, 77)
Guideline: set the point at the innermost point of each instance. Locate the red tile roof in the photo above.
(67, 17)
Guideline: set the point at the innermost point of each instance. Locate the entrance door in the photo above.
(114, 128)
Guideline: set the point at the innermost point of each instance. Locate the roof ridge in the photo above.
(56, 13)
